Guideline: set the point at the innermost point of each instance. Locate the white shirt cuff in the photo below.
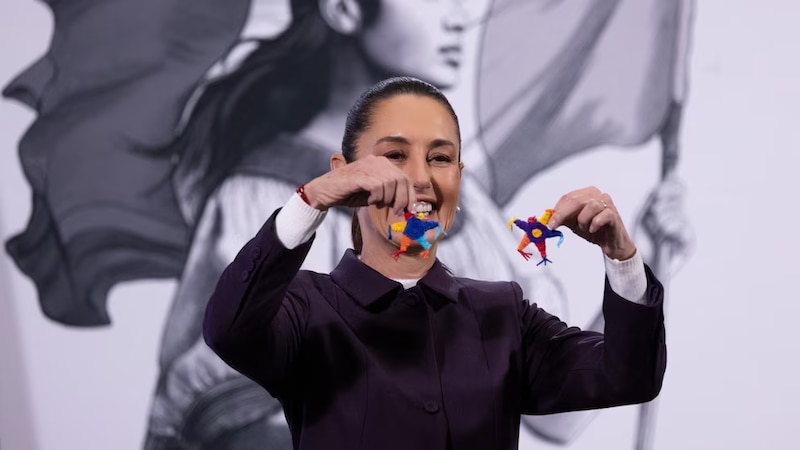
(297, 221)
(627, 278)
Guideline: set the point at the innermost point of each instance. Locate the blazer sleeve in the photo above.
(567, 369)
(254, 321)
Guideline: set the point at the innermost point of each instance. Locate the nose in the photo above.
(419, 171)
(457, 17)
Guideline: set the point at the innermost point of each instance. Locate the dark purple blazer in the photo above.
(360, 363)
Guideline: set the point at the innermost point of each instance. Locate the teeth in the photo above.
(422, 207)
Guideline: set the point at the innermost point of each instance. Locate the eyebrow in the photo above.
(401, 140)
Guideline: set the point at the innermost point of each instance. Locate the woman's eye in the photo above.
(396, 156)
(441, 159)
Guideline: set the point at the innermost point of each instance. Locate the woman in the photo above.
(386, 353)
(299, 86)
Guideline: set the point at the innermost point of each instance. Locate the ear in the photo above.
(343, 16)
(337, 161)
(460, 168)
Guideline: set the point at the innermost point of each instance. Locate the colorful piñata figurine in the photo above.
(536, 231)
(413, 229)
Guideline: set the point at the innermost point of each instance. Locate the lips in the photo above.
(452, 54)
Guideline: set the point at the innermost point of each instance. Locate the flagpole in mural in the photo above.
(662, 258)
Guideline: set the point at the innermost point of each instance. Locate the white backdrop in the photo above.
(733, 354)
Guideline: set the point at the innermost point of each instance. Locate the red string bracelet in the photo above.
(302, 191)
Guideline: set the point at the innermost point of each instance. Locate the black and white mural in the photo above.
(165, 132)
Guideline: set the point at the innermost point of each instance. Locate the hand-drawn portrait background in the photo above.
(167, 131)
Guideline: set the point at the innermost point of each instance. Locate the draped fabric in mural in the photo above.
(168, 130)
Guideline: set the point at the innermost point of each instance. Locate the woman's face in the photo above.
(419, 135)
(418, 38)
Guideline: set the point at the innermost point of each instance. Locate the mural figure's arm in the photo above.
(193, 381)
(232, 215)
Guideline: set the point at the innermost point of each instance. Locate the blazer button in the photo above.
(256, 253)
(432, 407)
(245, 275)
(413, 300)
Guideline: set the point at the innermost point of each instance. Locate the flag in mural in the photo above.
(167, 131)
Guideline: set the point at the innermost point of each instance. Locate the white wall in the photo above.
(733, 355)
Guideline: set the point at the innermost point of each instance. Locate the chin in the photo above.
(443, 76)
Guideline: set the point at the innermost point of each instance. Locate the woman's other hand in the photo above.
(591, 214)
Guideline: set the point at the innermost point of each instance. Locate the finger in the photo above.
(363, 192)
(607, 201)
(667, 189)
(389, 192)
(400, 196)
(412, 191)
(668, 212)
(604, 218)
(563, 211)
(396, 185)
(362, 189)
(590, 210)
(570, 204)
(376, 193)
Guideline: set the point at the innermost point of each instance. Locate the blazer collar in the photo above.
(367, 286)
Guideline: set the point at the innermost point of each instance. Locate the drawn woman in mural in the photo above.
(272, 123)
(267, 120)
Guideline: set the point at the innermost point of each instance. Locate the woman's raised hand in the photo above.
(370, 180)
